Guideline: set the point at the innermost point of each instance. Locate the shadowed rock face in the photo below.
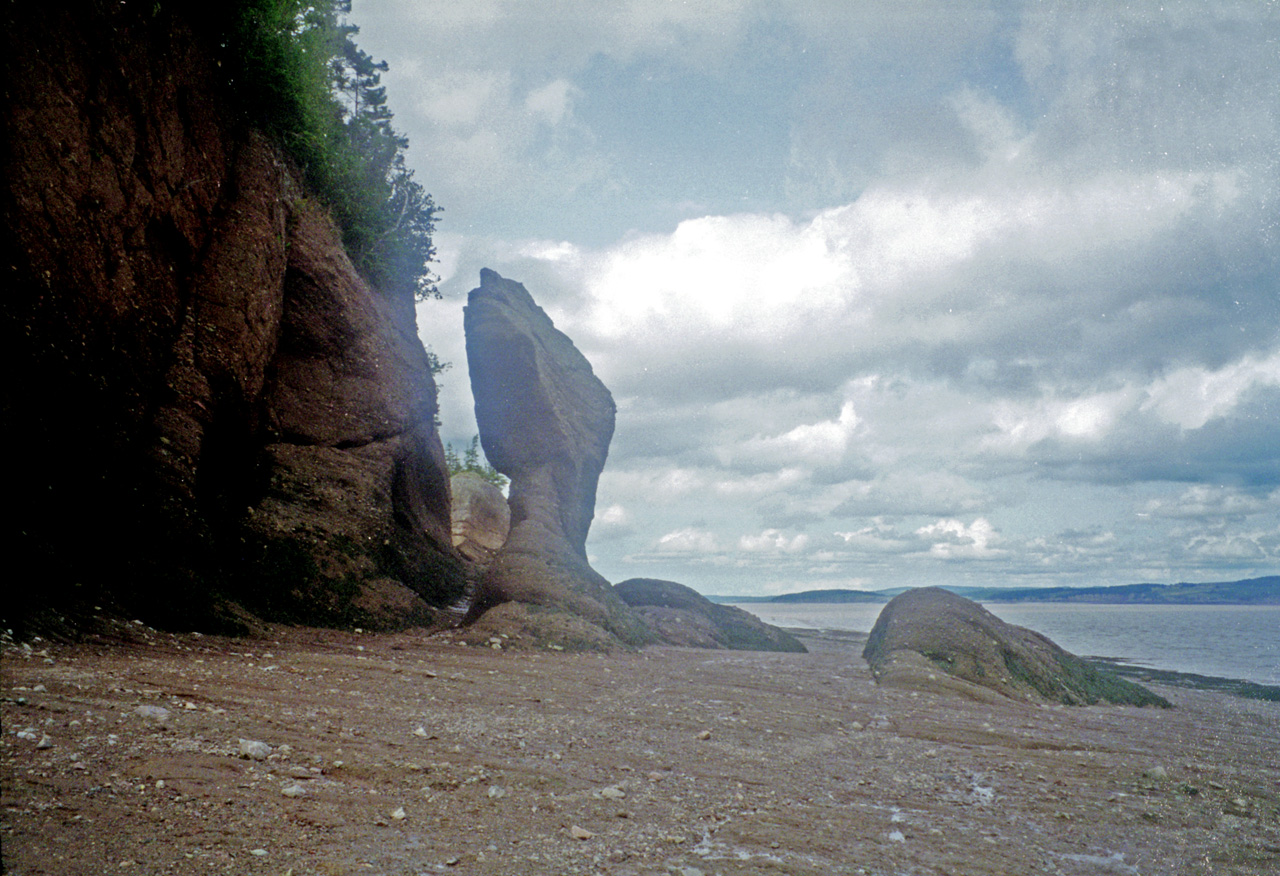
(213, 404)
(545, 422)
(679, 615)
(932, 639)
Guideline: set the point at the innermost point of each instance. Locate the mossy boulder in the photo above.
(931, 639)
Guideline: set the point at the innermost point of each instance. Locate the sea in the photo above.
(1224, 641)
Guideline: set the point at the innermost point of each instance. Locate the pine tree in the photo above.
(305, 78)
(471, 461)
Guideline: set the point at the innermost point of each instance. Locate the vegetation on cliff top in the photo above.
(471, 461)
(297, 73)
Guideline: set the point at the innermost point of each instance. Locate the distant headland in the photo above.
(1251, 591)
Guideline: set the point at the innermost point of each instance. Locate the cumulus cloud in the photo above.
(688, 540)
(1191, 397)
(773, 541)
(813, 444)
(882, 293)
(952, 539)
(612, 522)
(1211, 502)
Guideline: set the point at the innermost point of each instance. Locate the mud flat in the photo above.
(411, 754)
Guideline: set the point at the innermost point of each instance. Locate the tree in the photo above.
(300, 75)
(471, 461)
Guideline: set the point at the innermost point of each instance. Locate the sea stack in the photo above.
(545, 422)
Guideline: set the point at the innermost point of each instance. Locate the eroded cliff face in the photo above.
(207, 407)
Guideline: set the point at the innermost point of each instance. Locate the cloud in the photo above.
(877, 538)
(552, 103)
(1191, 397)
(1206, 502)
(773, 541)
(688, 540)
(811, 444)
(952, 539)
(950, 292)
(1257, 546)
(612, 522)
(904, 275)
(1188, 398)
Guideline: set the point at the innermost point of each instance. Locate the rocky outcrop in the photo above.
(481, 517)
(545, 422)
(931, 639)
(211, 405)
(680, 615)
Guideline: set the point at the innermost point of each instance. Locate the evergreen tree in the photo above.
(304, 78)
(471, 461)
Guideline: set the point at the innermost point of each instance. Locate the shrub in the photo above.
(297, 73)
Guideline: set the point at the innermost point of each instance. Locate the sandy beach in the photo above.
(410, 754)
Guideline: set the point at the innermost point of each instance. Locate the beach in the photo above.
(310, 751)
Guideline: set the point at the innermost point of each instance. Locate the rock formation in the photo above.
(481, 517)
(679, 615)
(545, 422)
(931, 639)
(210, 404)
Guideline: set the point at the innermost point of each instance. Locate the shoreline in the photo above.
(1119, 665)
(1150, 675)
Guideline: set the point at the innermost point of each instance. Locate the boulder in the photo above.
(481, 516)
(931, 639)
(545, 422)
(679, 615)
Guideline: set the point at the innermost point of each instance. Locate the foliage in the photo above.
(471, 461)
(298, 73)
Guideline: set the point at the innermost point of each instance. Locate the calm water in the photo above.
(1229, 641)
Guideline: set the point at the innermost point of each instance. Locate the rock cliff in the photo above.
(545, 422)
(932, 639)
(210, 408)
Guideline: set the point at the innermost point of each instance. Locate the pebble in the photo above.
(259, 853)
(1239, 807)
(46, 741)
(254, 750)
(399, 814)
(294, 790)
(154, 713)
(612, 793)
(497, 793)
(704, 735)
(580, 833)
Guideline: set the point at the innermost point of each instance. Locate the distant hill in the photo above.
(1253, 591)
(829, 596)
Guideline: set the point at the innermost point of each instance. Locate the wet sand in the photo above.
(410, 754)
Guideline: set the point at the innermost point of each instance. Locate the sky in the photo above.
(887, 293)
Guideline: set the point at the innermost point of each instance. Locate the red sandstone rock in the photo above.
(207, 397)
(545, 422)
